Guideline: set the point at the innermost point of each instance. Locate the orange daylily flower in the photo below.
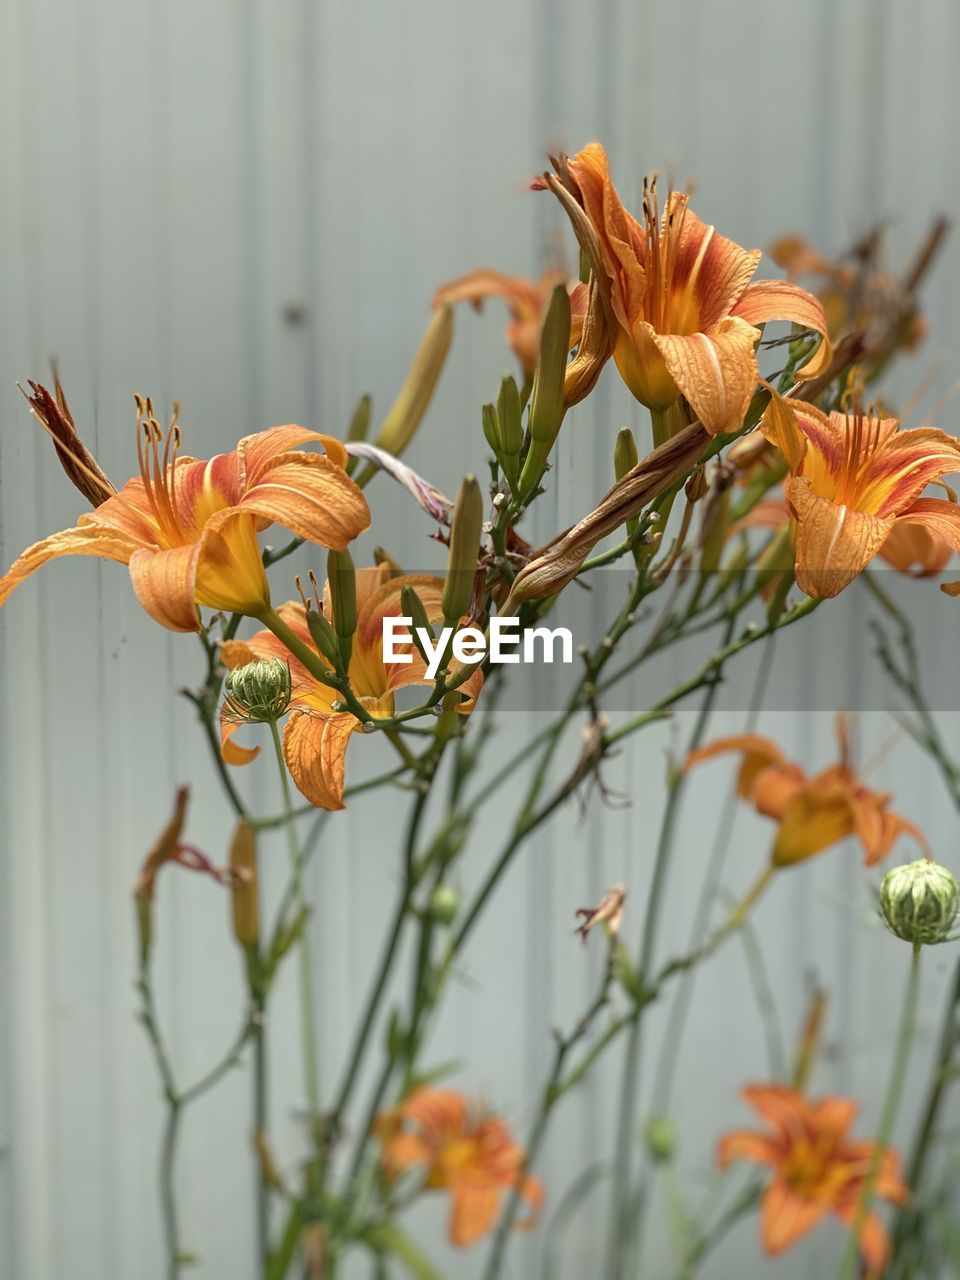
(681, 297)
(316, 736)
(526, 300)
(817, 1169)
(470, 1154)
(188, 528)
(811, 813)
(854, 478)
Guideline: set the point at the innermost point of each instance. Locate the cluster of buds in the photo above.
(259, 692)
(920, 901)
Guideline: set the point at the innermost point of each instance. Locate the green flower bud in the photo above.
(343, 595)
(406, 412)
(413, 608)
(444, 904)
(919, 901)
(661, 1138)
(259, 691)
(324, 637)
(511, 427)
(491, 429)
(245, 898)
(466, 527)
(625, 458)
(547, 400)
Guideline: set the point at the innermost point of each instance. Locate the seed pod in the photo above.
(466, 526)
(243, 863)
(919, 901)
(343, 593)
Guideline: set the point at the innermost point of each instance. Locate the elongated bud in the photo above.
(413, 608)
(511, 427)
(243, 864)
(625, 458)
(324, 637)
(360, 421)
(547, 400)
(260, 691)
(343, 593)
(919, 901)
(406, 412)
(466, 526)
(382, 556)
(491, 429)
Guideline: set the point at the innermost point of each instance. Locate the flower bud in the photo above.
(259, 691)
(547, 400)
(243, 864)
(411, 404)
(324, 637)
(919, 901)
(466, 526)
(360, 421)
(625, 458)
(661, 1138)
(382, 556)
(444, 903)
(413, 608)
(511, 427)
(491, 429)
(342, 578)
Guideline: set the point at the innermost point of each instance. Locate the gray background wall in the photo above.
(177, 175)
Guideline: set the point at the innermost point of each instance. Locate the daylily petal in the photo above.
(439, 1112)
(775, 788)
(879, 829)
(473, 1213)
(914, 549)
(783, 1108)
(405, 1150)
(786, 1217)
(905, 465)
(314, 747)
(767, 300)
(621, 238)
(716, 371)
(758, 753)
(255, 452)
(743, 1144)
(229, 573)
(941, 519)
(164, 583)
(874, 1241)
(810, 824)
(709, 273)
(834, 542)
(88, 539)
(232, 751)
(310, 495)
(833, 1116)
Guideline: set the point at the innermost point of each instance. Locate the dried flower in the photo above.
(920, 901)
(609, 911)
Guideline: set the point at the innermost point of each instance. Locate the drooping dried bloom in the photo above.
(812, 814)
(609, 911)
(79, 464)
(187, 529)
(817, 1169)
(920, 901)
(526, 301)
(316, 735)
(679, 296)
(855, 477)
(467, 1152)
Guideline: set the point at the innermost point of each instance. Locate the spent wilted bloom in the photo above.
(188, 528)
(811, 813)
(526, 301)
(817, 1169)
(609, 911)
(317, 731)
(679, 295)
(460, 1149)
(919, 902)
(855, 477)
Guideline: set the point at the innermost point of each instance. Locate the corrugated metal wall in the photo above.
(180, 180)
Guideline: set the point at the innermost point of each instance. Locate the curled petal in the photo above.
(256, 451)
(232, 751)
(164, 583)
(433, 502)
(743, 1144)
(874, 1241)
(716, 371)
(758, 754)
(88, 539)
(767, 300)
(915, 549)
(310, 495)
(474, 1211)
(834, 542)
(314, 747)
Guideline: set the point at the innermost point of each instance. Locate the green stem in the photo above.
(848, 1262)
(307, 1027)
